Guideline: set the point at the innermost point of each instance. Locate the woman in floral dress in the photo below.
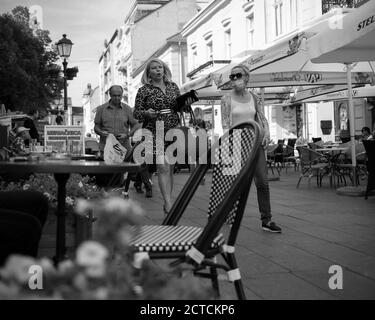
(156, 102)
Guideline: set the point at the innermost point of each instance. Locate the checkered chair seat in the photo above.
(162, 238)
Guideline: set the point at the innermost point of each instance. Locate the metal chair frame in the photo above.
(227, 204)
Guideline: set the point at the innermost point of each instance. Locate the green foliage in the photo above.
(25, 62)
(76, 187)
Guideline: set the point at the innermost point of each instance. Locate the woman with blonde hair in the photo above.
(241, 105)
(156, 101)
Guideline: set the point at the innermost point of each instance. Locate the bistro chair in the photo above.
(315, 140)
(312, 163)
(274, 157)
(292, 142)
(198, 248)
(289, 157)
(370, 152)
(343, 164)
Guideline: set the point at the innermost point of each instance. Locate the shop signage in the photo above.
(65, 139)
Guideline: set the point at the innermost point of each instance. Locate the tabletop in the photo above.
(66, 166)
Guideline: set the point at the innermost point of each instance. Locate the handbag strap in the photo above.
(182, 116)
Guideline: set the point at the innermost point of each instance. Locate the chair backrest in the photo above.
(314, 146)
(316, 139)
(307, 155)
(370, 152)
(292, 142)
(234, 159)
(288, 151)
(271, 149)
(280, 141)
(231, 181)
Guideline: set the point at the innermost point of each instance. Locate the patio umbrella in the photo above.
(287, 64)
(328, 93)
(351, 41)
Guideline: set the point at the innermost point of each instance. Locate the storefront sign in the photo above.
(65, 139)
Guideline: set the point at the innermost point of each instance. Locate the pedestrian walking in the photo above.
(236, 107)
(156, 101)
(115, 117)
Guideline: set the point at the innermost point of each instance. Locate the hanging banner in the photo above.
(65, 139)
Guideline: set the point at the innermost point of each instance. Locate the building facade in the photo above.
(174, 54)
(109, 73)
(90, 101)
(148, 28)
(228, 31)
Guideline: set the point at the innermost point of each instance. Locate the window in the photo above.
(250, 31)
(294, 13)
(194, 56)
(209, 47)
(209, 51)
(226, 23)
(228, 43)
(278, 17)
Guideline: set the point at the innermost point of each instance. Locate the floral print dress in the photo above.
(152, 97)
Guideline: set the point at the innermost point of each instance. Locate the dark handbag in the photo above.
(182, 105)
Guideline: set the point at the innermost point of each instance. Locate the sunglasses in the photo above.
(236, 76)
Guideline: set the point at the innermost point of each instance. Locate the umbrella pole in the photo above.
(351, 120)
(262, 98)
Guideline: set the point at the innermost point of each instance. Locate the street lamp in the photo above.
(64, 47)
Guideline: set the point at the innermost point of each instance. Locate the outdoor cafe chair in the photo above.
(274, 157)
(197, 248)
(370, 152)
(289, 157)
(312, 163)
(292, 142)
(342, 163)
(315, 140)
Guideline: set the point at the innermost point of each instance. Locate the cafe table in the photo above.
(332, 154)
(61, 169)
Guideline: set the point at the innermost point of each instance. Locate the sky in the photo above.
(87, 23)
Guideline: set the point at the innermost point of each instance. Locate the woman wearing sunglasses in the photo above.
(236, 107)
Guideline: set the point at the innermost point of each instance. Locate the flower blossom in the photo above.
(69, 201)
(92, 255)
(82, 206)
(17, 268)
(122, 206)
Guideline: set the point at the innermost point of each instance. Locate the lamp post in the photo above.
(64, 47)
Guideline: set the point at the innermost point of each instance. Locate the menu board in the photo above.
(65, 139)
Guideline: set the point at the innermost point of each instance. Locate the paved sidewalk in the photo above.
(320, 229)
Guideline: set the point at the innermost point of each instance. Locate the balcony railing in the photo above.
(327, 5)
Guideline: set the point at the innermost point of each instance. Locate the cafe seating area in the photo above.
(319, 159)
